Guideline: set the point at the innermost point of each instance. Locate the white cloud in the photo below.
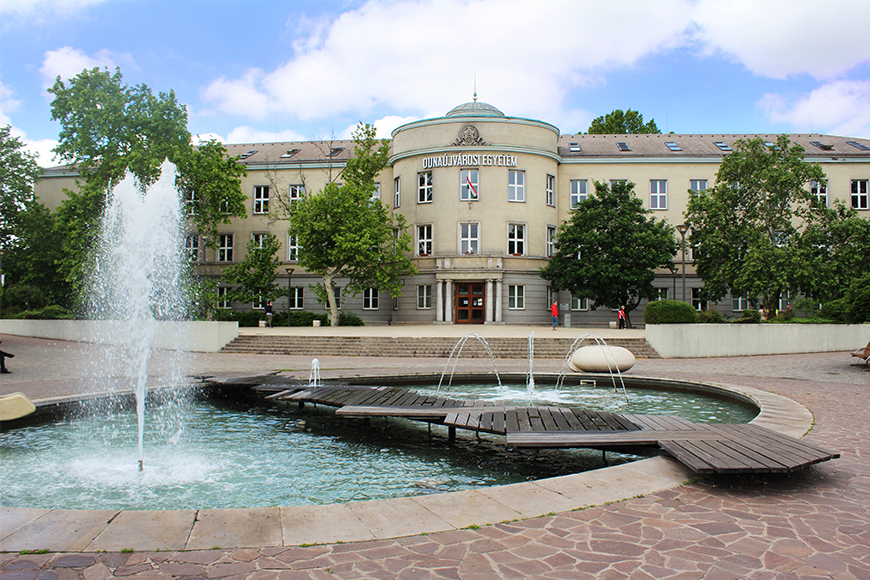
(839, 108)
(39, 13)
(783, 38)
(383, 126)
(67, 62)
(246, 134)
(201, 138)
(417, 56)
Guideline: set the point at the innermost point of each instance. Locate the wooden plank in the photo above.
(692, 458)
(549, 423)
(773, 462)
(498, 422)
(786, 441)
(560, 417)
(625, 423)
(512, 424)
(523, 419)
(536, 422)
(794, 455)
(611, 421)
(574, 423)
(728, 459)
(584, 420)
(404, 411)
(485, 423)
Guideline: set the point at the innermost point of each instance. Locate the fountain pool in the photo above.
(249, 453)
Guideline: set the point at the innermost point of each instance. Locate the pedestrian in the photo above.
(554, 312)
(620, 316)
(269, 314)
(3, 356)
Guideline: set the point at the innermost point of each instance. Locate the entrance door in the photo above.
(470, 303)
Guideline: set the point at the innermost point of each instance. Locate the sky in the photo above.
(251, 71)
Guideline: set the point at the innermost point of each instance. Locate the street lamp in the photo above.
(683, 228)
(289, 292)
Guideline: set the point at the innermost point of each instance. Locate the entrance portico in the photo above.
(468, 296)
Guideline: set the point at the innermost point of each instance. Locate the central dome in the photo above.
(474, 109)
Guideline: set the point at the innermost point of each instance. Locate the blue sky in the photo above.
(263, 70)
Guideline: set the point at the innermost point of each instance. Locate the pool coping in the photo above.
(205, 529)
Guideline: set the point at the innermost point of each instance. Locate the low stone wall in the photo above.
(186, 336)
(709, 340)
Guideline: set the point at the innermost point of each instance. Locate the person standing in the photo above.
(554, 312)
(620, 316)
(269, 314)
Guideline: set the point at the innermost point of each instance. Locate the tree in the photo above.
(747, 228)
(257, 272)
(619, 122)
(344, 232)
(608, 249)
(18, 175)
(107, 129)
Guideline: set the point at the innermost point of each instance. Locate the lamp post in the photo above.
(683, 228)
(289, 292)
(673, 271)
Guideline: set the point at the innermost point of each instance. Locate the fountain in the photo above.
(314, 375)
(136, 275)
(457, 352)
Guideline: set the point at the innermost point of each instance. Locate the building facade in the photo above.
(484, 194)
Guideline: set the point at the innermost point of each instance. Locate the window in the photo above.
(623, 146)
(516, 297)
(225, 248)
(190, 201)
(516, 239)
(292, 249)
(397, 192)
(223, 297)
(290, 153)
(469, 238)
(259, 240)
(261, 199)
(247, 154)
(672, 146)
(551, 190)
(297, 298)
(335, 151)
(370, 299)
(661, 293)
(424, 187)
(739, 303)
(822, 146)
(578, 191)
(516, 185)
(551, 241)
(820, 190)
(698, 184)
(257, 304)
(658, 194)
(858, 145)
(191, 245)
(721, 145)
(578, 303)
(424, 297)
(376, 194)
(295, 192)
(574, 147)
(859, 193)
(469, 186)
(424, 240)
(696, 300)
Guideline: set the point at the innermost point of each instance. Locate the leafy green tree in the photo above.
(619, 122)
(255, 275)
(747, 228)
(858, 299)
(32, 261)
(109, 128)
(18, 175)
(211, 184)
(343, 232)
(609, 248)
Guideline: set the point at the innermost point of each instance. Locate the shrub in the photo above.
(26, 296)
(836, 311)
(749, 316)
(349, 319)
(711, 316)
(858, 299)
(669, 312)
(53, 312)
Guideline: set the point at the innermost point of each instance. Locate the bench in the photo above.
(863, 353)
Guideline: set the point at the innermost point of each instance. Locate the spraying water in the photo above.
(137, 273)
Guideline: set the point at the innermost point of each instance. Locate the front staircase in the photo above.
(502, 347)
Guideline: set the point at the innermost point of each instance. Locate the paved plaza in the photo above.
(814, 523)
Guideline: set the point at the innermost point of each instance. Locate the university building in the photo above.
(484, 194)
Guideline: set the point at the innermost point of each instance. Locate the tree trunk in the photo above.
(330, 299)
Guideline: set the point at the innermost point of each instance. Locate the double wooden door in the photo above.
(470, 303)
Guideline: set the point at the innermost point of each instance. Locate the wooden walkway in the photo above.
(704, 448)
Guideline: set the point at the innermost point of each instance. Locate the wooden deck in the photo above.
(704, 448)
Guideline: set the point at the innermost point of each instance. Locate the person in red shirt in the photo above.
(620, 316)
(554, 312)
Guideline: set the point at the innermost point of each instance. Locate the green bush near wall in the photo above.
(252, 318)
(53, 312)
(669, 312)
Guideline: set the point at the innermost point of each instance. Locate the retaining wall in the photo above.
(706, 340)
(187, 336)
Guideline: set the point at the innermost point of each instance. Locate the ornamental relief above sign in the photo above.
(469, 135)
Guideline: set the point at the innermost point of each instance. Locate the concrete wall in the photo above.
(187, 336)
(703, 340)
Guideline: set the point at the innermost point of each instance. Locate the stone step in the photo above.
(501, 347)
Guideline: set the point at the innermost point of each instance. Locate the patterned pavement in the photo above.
(811, 524)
